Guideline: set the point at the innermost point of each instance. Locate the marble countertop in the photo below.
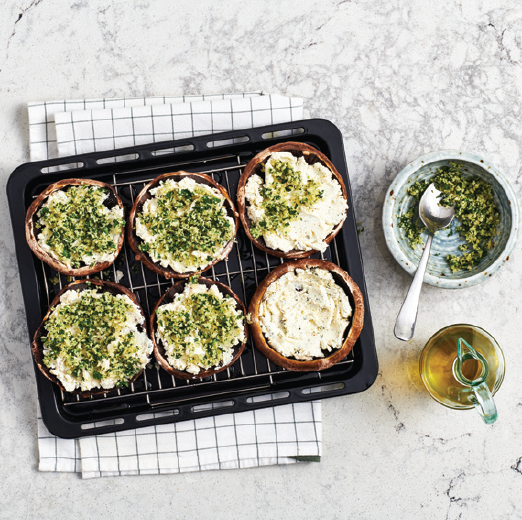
(399, 79)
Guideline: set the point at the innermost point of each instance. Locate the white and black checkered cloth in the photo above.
(283, 434)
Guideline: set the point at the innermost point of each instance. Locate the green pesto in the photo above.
(410, 226)
(81, 332)
(212, 322)
(194, 279)
(78, 228)
(55, 280)
(283, 198)
(185, 222)
(475, 210)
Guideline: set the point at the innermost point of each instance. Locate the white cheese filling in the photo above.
(312, 225)
(192, 359)
(304, 314)
(150, 207)
(96, 257)
(60, 368)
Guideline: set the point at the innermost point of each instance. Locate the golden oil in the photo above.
(438, 358)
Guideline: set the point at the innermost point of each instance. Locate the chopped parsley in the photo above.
(475, 210)
(283, 198)
(77, 228)
(409, 223)
(185, 226)
(55, 280)
(202, 330)
(91, 338)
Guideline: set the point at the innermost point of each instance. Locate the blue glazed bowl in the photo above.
(438, 273)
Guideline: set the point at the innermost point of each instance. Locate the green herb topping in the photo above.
(76, 228)
(475, 210)
(200, 328)
(185, 225)
(92, 340)
(283, 198)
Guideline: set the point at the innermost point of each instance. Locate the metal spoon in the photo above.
(434, 217)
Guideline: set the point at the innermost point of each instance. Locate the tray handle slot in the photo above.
(227, 142)
(332, 387)
(118, 158)
(61, 167)
(102, 424)
(268, 397)
(157, 415)
(173, 150)
(205, 407)
(283, 133)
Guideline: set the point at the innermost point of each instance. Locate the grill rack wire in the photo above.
(152, 382)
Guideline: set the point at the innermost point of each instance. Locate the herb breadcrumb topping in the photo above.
(93, 340)
(476, 212)
(76, 227)
(283, 197)
(296, 205)
(184, 225)
(200, 328)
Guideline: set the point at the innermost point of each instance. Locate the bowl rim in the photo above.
(402, 178)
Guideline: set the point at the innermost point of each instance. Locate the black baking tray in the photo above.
(253, 381)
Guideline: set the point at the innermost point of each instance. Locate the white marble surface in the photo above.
(400, 79)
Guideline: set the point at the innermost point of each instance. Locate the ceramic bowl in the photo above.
(438, 273)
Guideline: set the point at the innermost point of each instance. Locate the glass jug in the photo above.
(462, 367)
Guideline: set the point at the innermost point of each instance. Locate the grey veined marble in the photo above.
(400, 79)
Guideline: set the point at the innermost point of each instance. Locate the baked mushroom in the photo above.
(76, 226)
(306, 315)
(198, 328)
(182, 223)
(292, 201)
(93, 339)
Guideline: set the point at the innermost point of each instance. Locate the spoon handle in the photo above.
(407, 318)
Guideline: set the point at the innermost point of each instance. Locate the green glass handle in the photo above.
(482, 398)
(484, 403)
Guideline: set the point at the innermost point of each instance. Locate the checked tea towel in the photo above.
(282, 434)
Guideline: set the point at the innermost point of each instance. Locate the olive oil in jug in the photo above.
(459, 362)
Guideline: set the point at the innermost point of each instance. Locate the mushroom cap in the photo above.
(81, 285)
(31, 219)
(312, 156)
(144, 195)
(159, 349)
(354, 330)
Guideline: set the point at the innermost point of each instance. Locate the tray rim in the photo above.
(55, 419)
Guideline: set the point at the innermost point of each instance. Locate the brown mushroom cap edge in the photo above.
(311, 155)
(43, 255)
(343, 280)
(81, 285)
(159, 350)
(134, 240)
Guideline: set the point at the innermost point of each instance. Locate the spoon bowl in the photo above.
(435, 217)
